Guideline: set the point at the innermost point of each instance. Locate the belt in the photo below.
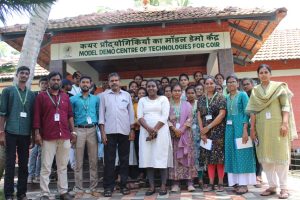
(85, 126)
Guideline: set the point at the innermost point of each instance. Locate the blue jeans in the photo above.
(34, 164)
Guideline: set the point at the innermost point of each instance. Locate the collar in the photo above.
(112, 92)
(80, 94)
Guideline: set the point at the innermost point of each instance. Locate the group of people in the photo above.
(176, 127)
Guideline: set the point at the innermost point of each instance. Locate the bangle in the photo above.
(74, 133)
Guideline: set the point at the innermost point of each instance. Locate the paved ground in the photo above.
(253, 194)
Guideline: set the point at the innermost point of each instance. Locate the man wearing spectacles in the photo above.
(247, 84)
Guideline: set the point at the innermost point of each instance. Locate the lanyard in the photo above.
(176, 110)
(208, 103)
(58, 102)
(232, 101)
(75, 89)
(85, 106)
(20, 97)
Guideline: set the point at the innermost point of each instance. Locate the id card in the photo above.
(89, 120)
(229, 122)
(208, 117)
(23, 114)
(177, 125)
(268, 115)
(56, 117)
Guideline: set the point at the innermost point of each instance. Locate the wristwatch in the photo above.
(74, 133)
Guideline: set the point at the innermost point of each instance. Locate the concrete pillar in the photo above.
(84, 68)
(225, 58)
(212, 67)
(58, 66)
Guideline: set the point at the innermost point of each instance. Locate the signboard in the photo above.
(141, 46)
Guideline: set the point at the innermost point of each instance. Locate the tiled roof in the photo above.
(135, 16)
(281, 45)
(39, 71)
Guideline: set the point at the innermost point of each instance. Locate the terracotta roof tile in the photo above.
(135, 16)
(281, 45)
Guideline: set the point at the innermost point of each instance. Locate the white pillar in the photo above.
(212, 66)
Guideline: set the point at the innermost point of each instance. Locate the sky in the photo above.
(71, 8)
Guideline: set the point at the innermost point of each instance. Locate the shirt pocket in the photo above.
(123, 104)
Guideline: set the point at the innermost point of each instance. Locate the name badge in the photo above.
(89, 120)
(229, 122)
(56, 117)
(208, 117)
(268, 115)
(23, 114)
(177, 126)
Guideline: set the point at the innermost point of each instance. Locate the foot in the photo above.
(95, 193)
(200, 183)
(163, 191)
(22, 197)
(220, 188)
(242, 190)
(268, 192)
(44, 198)
(125, 191)
(283, 194)
(9, 198)
(175, 188)
(36, 179)
(107, 193)
(191, 188)
(258, 182)
(150, 192)
(66, 196)
(208, 187)
(29, 180)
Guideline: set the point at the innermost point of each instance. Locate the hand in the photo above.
(38, 139)
(32, 143)
(204, 130)
(104, 138)
(177, 133)
(73, 139)
(284, 130)
(131, 135)
(245, 137)
(253, 134)
(2, 139)
(204, 138)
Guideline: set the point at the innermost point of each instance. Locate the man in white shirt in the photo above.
(75, 87)
(116, 120)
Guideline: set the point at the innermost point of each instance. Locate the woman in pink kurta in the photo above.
(180, 121)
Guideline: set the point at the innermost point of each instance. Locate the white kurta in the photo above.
(156, 153)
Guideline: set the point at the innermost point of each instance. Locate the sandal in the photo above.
(242, 190)
(162, 192)
(283, 194)
(268, 192)
(208, 187)
(107, 193)
(220, 188)
(149, 192)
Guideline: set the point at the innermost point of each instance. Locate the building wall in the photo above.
(140, 32)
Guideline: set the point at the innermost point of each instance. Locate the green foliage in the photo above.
(7, 68)
(8, 7)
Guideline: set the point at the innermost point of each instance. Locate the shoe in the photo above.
(191, 188)
(66, 196)
(125, 191)
(208, 187)
(220, 188)
(36, 179)
(107, 193)
(175, 188)
(22, 197)
(44, 198)
(149, 192)
(9, 198)
(163, 192)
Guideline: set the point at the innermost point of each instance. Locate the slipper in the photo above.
(242, 190)
(283, 194)
(107, 193)
(268, 192)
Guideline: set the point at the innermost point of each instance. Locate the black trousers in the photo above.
(16, 144)
(114, 140)
(259, 168)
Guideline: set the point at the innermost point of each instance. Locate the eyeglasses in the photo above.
(246, 84)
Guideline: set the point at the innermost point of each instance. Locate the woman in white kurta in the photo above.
(155, 140)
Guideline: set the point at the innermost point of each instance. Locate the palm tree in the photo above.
(10, 7)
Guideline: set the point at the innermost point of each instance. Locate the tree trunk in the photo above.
(33, 39)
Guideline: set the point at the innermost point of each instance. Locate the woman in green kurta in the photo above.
(239, 163)
(273, 125)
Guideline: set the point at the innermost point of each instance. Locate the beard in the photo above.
(85, 89)
(55, 87)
